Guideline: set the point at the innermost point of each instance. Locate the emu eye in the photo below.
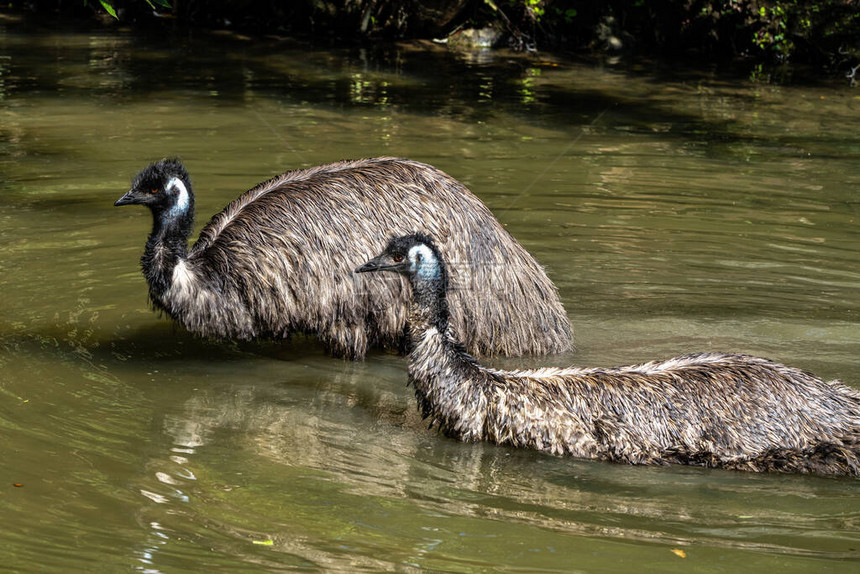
(398, 257)
(154, 191)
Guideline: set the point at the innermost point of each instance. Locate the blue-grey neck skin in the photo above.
(173, 217)
(429, 279)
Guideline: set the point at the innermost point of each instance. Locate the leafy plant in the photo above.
(108, 6)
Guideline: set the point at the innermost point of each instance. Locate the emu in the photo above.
(277, 260)
(711, 409)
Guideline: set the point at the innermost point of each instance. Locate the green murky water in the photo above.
(676, 211)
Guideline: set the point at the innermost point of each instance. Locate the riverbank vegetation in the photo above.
(822, 33)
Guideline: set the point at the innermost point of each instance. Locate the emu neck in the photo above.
(450, 386)
(167, 245)
(429, 305)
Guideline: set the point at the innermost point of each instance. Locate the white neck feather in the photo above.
(424, 262)
(182, 197)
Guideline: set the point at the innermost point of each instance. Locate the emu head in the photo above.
(165, 188)
(417, 258)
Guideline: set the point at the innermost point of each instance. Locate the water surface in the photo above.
(676, 210)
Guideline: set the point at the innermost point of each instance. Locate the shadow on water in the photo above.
(159, 341)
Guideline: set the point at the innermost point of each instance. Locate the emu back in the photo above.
(278, 260)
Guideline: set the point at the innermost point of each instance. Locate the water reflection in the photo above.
(357, 461)
(425, 80)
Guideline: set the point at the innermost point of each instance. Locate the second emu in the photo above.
(716, 410)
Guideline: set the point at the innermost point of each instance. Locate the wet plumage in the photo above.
(712, 409)
(277, 260)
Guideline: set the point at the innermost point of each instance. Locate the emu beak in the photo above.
(375, 264)
(126, 199)
(371, 265)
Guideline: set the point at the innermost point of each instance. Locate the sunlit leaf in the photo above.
(108, 8)
(679, 552)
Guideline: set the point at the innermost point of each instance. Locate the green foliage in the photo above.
(774, 36)
(108, 6)
(535, 8)
(787, 26)
(823, 32)
(567, 14)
